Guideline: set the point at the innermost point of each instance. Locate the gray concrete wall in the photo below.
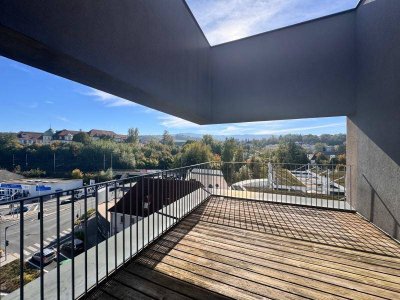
(374, 131)
(150, 52)
(306, 70)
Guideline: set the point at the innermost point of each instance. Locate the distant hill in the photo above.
(182, 137)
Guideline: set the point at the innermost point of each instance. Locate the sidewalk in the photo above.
(10, 257)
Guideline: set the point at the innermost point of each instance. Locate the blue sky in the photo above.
(227, 20)
(33, 100)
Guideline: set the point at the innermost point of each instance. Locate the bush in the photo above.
(36, 173)
(76, 174)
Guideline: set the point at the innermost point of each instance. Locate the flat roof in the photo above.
(34, 181)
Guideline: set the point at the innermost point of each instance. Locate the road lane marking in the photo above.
(37, 245)
(49, 240)
(31, 248)
(27, 252)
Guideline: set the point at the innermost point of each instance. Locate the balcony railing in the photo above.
(68, 242)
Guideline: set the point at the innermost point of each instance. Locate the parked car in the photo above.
(79, 194)
(77, 248)
(65, 201)
(48, 256)
(18, 210)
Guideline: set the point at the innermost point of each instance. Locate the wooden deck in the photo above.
(230, 248)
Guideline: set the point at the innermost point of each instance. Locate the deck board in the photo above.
(241, 249)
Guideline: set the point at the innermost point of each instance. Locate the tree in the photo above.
(208, 140)
(8, 141)
(76, 174)
(290, 153)
(341, 159)
(106, 176)
(319, 147)
(167, 139)
(133, 136)
(82, 137)
(321, 158)
(228, 150)
(196, 153)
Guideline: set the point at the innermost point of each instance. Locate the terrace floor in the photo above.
(242, 249)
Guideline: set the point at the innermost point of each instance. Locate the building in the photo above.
(29, 137)
(47, 136)
(30, 187)
(344, 64)
(64, 136)
(148, 196)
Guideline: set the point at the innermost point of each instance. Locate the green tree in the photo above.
(196, 153)
(167, 139)
(82, 137)
(76, 174)
(133, 136)
(9, 141)
(319, 147)
(321, 158)
(290, 153)
(228, 150)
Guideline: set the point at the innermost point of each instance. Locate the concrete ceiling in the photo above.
(154, 53)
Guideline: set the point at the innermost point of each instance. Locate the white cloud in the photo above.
(49, 102)
(175, 122)
(108, 99)
(297, 129)
(64, 119)
(228, 20)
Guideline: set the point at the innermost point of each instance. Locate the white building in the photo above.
(31, 187)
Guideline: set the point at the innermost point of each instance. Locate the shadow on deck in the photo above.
(242, 249)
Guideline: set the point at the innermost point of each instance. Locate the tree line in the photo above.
(93, 157)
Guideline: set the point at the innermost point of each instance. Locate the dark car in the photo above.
(77, 248)
(18, 210)
(48, 256)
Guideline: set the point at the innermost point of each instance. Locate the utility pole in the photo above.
(13, 162)
(26, 160)
(54, 162)
(104, 161)
(111, 161)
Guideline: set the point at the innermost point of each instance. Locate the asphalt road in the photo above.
(32, 224)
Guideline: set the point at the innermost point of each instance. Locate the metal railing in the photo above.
(68, 242)
(314, 185)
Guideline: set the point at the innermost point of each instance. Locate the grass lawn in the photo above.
(284, 177)
(9, 276)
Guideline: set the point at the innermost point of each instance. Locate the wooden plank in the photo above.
(120, 291)
(373, 269)
(324, 282)
(182, 287)
(250, 272)
(273, 216)
(331, 232)
(293, 261)
(307, 260)
(187, 275)
(147, 287)
(370, 258)
(240, 278)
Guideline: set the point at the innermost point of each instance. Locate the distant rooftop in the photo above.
(228, 20)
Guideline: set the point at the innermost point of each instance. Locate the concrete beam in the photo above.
(154, 53)
(302, 71)
(150, 52)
